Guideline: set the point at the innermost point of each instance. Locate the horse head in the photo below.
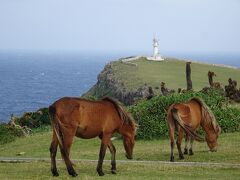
(211, 127)
(129, 132)
(127, 129)
(212, 136)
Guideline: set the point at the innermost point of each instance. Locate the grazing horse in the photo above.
(88, 119)
(186, 118)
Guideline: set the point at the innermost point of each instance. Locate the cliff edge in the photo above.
(129, 81)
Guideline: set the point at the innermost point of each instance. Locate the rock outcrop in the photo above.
(231, 90)
(109, 85)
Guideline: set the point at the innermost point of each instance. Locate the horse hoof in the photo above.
(113, 171)
(181, 157)
(101, 173)
(185, 151)
(74, 175)
(191, 153)
(172, 159)
(55, 173)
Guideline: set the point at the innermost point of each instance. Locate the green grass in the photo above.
(235, 105)
(172, 72)
(155, 150)
(125, 171)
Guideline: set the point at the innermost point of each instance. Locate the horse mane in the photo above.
(207, 114)
(126, 117)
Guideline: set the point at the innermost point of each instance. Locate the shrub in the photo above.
(9, 133)
(34, 119)
(228, 119)
(37, 121)
(151, 115)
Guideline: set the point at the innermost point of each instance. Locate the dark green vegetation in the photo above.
(34, 119)
(37, 121)
(38, 144)
(9, 133)
(151, 115)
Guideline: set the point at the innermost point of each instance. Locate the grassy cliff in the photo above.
(119, 79)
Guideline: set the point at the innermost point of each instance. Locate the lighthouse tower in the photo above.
(156, 54)
(155, 48)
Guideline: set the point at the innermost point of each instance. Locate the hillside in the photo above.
(123, 80)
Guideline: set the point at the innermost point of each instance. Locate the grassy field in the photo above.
(172, 72)
(126, 171)
(155, 150)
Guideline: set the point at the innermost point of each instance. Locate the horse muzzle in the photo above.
(213, 150)
(128, 157)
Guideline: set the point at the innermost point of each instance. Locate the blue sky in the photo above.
(120, 25)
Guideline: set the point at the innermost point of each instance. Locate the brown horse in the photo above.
(187, 117)
(88, 119)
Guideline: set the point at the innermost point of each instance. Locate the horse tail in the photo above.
(57, 128)
(178, 120)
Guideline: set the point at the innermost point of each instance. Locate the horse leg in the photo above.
(104, 144)
(112, 149)
(171, 129)
(191, 144)
(186, 144)
(65, 151)
(53, 152)
(171, 135)
(179, 142)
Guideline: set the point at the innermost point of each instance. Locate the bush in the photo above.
(37, 121)
(228, 119)
(34, 119)
(151, 115)
(9, 133)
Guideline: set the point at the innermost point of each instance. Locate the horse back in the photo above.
(89, 118)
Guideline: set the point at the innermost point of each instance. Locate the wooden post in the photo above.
(188, 76)
(210, 78)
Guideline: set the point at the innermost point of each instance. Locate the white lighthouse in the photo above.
(155, 48)
(156, 55)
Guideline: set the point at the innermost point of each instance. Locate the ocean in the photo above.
(32, 80)
(29, 81)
